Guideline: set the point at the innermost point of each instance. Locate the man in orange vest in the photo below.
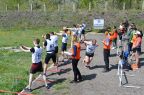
(75, 59)
(106, 52)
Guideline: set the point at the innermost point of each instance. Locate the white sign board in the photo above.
(98, 23)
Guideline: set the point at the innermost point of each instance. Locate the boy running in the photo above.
(64, 41)
(36, 61)
(48, 44)
(90, 49)
(54, 38)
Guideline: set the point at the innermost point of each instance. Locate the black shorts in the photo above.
(50, 56)
(56, 49)
(83, 31)
(36, 67)
(89, 54)
(64, 46)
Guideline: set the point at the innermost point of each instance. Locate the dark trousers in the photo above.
(106, 54)
(130, 47)
(115, 42)
(76, 71)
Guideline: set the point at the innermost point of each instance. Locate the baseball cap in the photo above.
(137, 33)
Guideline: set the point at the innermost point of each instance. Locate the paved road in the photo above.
(95, 81)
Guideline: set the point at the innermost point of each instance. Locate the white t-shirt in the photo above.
(54, 38)
(90, 48)
(64, 38)
(79, 31)
(50, 46)
(36, 54)
(74, 31)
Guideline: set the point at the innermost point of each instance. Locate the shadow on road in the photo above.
(62, 71)
(141, 62)
(97, 66)
(89, 77)
(113, 55)
(65, 63)
(51, 84)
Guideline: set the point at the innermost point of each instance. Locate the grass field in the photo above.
(14, 66)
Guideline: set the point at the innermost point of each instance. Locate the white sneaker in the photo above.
(113, 47)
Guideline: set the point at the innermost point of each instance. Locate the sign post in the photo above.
(98, 23)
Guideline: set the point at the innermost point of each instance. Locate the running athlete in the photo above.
(54, 38)
(36, 61)
(48, 44)
(90, 49)
(64, 41)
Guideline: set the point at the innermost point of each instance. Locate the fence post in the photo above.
(44, 7)
(6, 8)
(90, 5)
(31, 7)
(124, 4)
(58, 8)
(74, 7)
(18, 7)
(143, 5)
(106, 5)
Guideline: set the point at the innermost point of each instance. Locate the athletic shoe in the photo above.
(28, 89)
(80, 80)
(106, 70)
(113, 48)
(47, 87)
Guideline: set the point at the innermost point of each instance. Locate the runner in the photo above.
(36, 61)
(48, 44)
(54, 38)
(83, 26)
(79, 28)
(107, 44)
(64, 41)
(74, 32)
(90, 49)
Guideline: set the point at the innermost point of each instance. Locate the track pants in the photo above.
(106, 54)
(76, 71)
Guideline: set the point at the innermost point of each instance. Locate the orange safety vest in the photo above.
(105, 43)
(134, 39)
(77, 52)
(115, 35)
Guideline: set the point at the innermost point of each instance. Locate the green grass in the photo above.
(19, 37)
(14, 66)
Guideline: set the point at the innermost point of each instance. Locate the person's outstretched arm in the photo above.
(87, 42)
(25, 48)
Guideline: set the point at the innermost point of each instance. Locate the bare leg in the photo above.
(45, 68)
(44, 75)
(91, 58)
(30, 80)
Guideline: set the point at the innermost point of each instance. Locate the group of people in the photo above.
(77, 33)
(50, 44)
(130, 40)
